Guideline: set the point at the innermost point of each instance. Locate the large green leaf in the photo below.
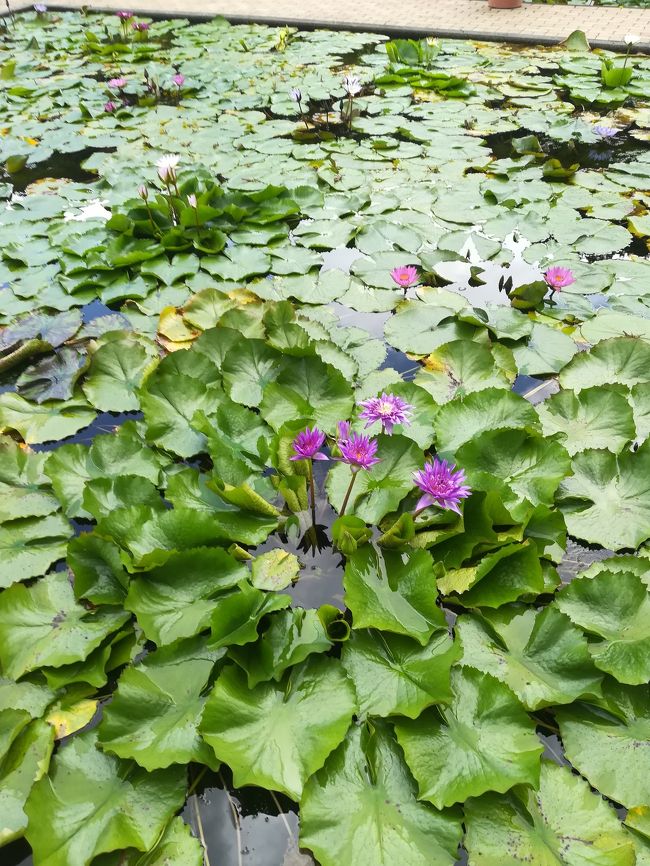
(177, 599)
(44, 625)
(169, 403)
(611, 750)
(362, 807)
(523, 467)
(491, 409)
(379, 490)
(23, 484)
(237, 614)
(620, 360)
(308, 388)
(122, 453)
(178, 847)
(462, 366)
(599, 417)
(115, 373)
(90, 803)
(99, 574)
(43, 422)
(394, 675)
(290, 637)
(248, 368)
(561, 824)
(155, 711)
(393, 592)
(607, 499)
(277, 734)
(614, 607)
(541, 655)
(26, 762)
(484, 741)
(151, 536)
(28, 547)
(507, 574)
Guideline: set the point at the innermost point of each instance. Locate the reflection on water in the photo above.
(105, 422)
(579, 557)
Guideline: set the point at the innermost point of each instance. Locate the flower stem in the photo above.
(347, 495)
(312, 491)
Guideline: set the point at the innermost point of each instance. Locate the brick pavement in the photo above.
(473, 18)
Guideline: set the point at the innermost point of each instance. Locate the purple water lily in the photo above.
(110, 106)
(178, 79)
(605, 132)
(296, 94)
(358, 451)
(40, 8)
(389, 409)
(123, 15)
(140, 26)
(307, 443)
(442, 485)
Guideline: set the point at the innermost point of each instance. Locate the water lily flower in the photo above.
(358, 451)
(558, 278)
(124, 16)
(141, 26)
(389, 409)
(191, 200)
(605, 132)
(143, 192)
(405, 276)
(442, 485)
(117, 83)
(166, 166)
(352, 85)
(110, 106)
(40, 8)
(307, 443)
(631, 39)
(296, 94)
(178, 79)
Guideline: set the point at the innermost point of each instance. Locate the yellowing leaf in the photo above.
(69, 721)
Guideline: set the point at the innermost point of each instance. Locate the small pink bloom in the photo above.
(557, 278)
(125, 16)
(110, 107)
(143, 192)
(117, 83)
(140, 25)
(405, 276)
(178, 79)
(358, 451)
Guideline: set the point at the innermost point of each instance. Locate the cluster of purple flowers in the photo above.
(441, 483)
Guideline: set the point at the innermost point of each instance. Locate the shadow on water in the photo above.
(59, 165)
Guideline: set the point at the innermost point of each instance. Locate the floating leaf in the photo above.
(394, 675)
(362, 807)
(562, 823)
(484, 741)
(541, 655)
(275, 569)
(393, 592)
(91, 802)
(277, 734)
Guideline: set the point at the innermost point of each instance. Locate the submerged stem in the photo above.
(312, 491)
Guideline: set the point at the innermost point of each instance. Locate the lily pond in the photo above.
(324, 466)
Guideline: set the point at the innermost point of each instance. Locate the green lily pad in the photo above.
(483, 741)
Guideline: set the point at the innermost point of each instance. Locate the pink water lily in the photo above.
(558, 278)
(405, 276)
(123, 15)
(117, 83)
(442, 485)
(141, 26)
(178, 79)
(110, 107)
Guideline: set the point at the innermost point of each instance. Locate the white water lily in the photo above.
(631, 39)
(166, 166)
(351, 85)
